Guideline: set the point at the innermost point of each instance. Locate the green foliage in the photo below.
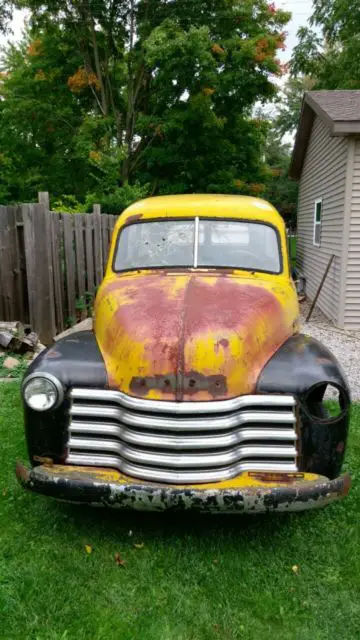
(290, 101)
(113, 101)
(67, 204)
(117, 199)
(329, 49)
(6, 7)
(280, 189)
(39, 119)
(18, 371)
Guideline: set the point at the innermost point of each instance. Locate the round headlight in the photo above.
(42, 391)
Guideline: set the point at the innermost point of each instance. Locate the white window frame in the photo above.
(317, 224)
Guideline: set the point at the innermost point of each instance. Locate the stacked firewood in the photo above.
(18, 340)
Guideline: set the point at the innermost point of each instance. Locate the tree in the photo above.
(290, 101)
(281, 191)
(332, 57)
(40, 119)
(160, 91)
(5, 15)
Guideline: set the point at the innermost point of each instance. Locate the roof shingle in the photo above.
(340, 112)
(341, 106)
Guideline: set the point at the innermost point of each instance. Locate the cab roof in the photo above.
(217, 206)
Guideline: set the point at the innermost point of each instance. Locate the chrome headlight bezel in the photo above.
(58, 388)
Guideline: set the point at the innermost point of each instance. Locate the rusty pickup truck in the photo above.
(196, 389)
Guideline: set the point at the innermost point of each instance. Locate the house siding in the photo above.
(352, 266)
(323, 176)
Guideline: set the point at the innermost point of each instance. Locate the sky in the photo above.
(301, 10)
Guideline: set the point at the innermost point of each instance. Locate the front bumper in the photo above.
(250, 493)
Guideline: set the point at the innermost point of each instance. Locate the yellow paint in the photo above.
(207, 206)
(243, 481)
(130, 354)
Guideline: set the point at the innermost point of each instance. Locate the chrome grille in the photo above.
(182, 442)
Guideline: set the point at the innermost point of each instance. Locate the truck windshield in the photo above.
(198, 243)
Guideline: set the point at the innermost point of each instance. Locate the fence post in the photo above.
(39, 274)
(98, 245)
(43, 197)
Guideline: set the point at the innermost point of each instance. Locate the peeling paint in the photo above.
(82, 487)
(161, 327)
(134, 218)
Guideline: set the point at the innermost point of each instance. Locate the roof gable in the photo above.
(339, 110)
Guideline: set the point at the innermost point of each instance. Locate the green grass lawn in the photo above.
(195, 578)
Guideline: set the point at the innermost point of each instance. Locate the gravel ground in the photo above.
(345, 345)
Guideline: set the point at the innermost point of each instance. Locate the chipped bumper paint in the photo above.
(104, 488)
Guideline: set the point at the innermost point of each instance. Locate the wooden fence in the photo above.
(50, 264)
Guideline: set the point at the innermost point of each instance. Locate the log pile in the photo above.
(18, 339)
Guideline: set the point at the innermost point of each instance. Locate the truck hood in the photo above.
(188, 336)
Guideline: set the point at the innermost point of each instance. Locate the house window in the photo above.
(317, 221)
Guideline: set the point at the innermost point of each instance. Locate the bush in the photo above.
(117, 200)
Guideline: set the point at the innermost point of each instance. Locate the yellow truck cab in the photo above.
(196, 389)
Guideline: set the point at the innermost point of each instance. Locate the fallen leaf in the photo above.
(88, 548)
(139, 546)
(305, 603)
(295, 568)
(119, 561)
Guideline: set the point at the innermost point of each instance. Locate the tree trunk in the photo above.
(129, 126)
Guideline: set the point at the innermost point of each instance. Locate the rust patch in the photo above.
(48, 462)
(177, 325)
(133, 218)
(340, 447)
(110, 488)
(22, 473)
(224, 343)
(53, 353)
(141, 386)
(192, 383)
(215, 385)
(287, 478)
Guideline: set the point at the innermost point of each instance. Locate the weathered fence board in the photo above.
(80, 261)
(98, 259)
(11, 259)
(57, 251)
(69, 266)
(89, 244)
(39, 270)
(49, 262)
(105, 238)
(13, 295)
(21, 285)
(3, 262)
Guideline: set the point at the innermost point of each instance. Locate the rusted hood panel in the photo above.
(187, 336)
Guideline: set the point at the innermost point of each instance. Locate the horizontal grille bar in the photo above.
(152, 474)
(182, 424)
(180, 442)
(184, 460)
(177, 408)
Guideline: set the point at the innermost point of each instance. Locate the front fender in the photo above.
(300, 367)
(76, 361)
